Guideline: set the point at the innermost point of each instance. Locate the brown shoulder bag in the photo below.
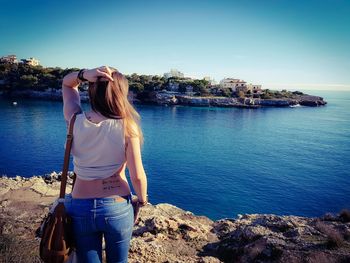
(56, 234)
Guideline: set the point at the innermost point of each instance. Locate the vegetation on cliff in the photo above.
(19, 76)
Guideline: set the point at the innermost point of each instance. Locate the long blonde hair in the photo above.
(110, 98)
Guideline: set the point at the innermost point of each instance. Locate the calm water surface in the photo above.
(217, 162)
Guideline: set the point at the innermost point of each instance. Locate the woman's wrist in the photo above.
(142, 203)
(80, 76)
(92, 75)
(139, 202)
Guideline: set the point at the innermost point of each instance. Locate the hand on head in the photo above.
(104, 72)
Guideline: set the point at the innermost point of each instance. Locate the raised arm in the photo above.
(71, 98)
(70, 84)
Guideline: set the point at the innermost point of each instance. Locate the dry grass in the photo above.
(334, 238)
(14, 250)
(320, 257)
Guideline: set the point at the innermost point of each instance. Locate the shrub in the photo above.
(345, 215)
(266, 96)
(329, 217)
(298, 93)
(334, 238)
(320, 257)
(241, 94)
(226, 92)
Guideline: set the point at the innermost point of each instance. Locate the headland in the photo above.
(28, 80)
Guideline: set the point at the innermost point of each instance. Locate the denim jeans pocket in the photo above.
(121, 223)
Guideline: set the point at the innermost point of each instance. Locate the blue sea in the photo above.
(217, 162)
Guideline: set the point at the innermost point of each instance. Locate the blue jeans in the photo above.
(101, 217)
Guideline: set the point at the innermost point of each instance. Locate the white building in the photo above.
(31, 61)
(230, 83)
(9, 59)
(254, 88)
(173, 73)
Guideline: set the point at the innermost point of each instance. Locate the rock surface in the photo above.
(166, 233)
(305, 100)
(162, 98)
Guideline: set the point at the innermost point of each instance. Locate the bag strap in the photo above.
(69, 141)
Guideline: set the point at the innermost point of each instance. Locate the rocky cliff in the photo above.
(165, 233)
(162, 98)
(180, 99)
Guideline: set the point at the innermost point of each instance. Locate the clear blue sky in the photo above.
(280, 44)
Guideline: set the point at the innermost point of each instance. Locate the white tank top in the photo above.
(98, 150)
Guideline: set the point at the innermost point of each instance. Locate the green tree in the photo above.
(226, 92)
(136, 87)
(28, 81)
(204, 91)
(182, 87)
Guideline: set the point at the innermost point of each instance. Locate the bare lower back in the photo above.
(116, 184)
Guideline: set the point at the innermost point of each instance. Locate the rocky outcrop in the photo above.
(312, 101)
(167, 99)
(166, 233)
(171, 98)
(305, 100)
(193, 101)
(276, 102)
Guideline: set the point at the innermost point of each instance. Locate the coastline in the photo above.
(166, 233)
(172, 99)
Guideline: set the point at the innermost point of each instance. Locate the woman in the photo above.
(105, 141)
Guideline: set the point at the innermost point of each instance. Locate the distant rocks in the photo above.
(276, 102)
(166, 233)
(164, 98)
(312, 101)
(174, 98)
(195, 101)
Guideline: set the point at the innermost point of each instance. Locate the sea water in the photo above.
(217, 162)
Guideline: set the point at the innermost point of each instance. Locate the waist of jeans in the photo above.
(98, 200)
